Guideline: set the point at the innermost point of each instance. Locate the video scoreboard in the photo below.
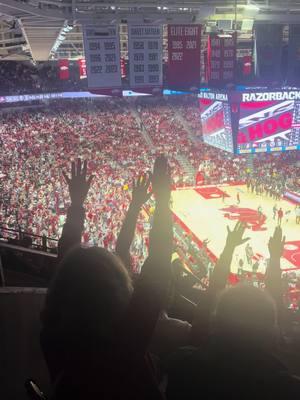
(216, 123)
(244, 122)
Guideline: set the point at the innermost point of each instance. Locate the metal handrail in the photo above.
(21, 234)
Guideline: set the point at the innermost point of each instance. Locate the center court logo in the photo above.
(246, 215)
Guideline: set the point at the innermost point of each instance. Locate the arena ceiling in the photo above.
(39, 30)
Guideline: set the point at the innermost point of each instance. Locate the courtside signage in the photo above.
(213, 96)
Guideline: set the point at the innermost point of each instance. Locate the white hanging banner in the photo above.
(145, 58)
(102, 54)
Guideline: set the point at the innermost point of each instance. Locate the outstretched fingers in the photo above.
(277, 233)
(239, 226)
(245, 240)
(277, 236)
(90, 180)
(78, 166)
(66, 178)
(235, 236)
(73, 170)
(78, 170)
(147, 181)
(84, 169)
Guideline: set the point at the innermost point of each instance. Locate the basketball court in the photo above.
(206, 211)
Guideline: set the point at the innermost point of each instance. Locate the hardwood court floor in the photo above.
(207, 211)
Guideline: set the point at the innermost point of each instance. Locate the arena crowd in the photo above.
(36, 146)
(121, 319)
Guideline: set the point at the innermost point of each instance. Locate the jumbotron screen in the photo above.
(268, 125)
(216, 123)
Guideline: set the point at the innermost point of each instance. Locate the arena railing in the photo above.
(28, 240)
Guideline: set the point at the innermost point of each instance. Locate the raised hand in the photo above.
(235, 237)
(276, 244)
(78, 184)
(161, 180)
(205, 242)
(140, 194)
(273, 274)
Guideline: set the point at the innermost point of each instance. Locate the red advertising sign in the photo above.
(184, 46)
(82, 68)
(63, 66)
(221, 56)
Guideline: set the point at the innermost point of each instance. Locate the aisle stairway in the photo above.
(181, 158)
(143, 129)
(182, 121)
(187, 167)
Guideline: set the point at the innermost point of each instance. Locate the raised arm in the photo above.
(140, 196)
(161, 234)
(78, 186)
(201, 323)
(151, 288)
(222, 268)
(273, 275)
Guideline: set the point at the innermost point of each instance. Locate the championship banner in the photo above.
(184, 46)
(145, 58)
(63, 67)
(214, 59)
(229, 57)
(293, 72)
(102, 54)
(82, 68)
(268, 47)
(221, 58)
